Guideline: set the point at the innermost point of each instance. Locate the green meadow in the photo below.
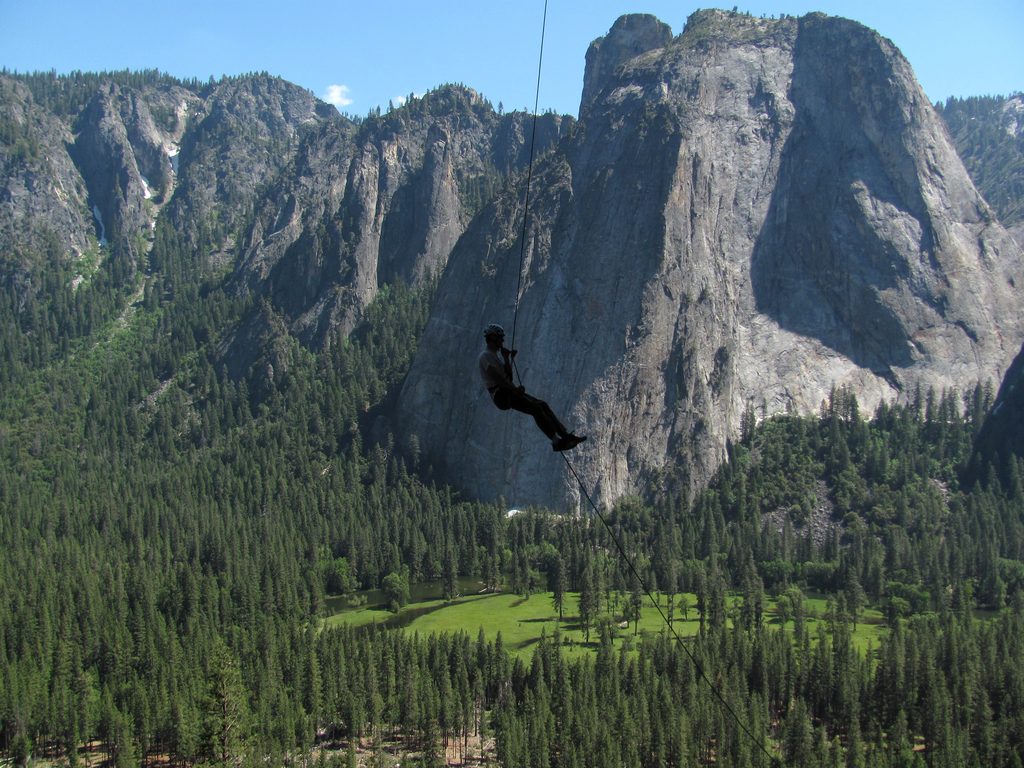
(523, 620)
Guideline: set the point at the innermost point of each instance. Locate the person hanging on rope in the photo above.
(496, 373)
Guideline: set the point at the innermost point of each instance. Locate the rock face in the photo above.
(95, 179)
(1002, 435)
(43, 199)
(77, 189)
(365, 207)
(123, 156)
(300, 207)
(241, 138)
(746, 215)
(1012, 116)
(630, 36)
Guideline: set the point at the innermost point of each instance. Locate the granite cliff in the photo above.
(108, 155)
(267, 189)
(747, 215)
(42, 196)
(361, 207)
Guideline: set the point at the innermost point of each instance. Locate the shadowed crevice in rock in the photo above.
(1002, 435)
(833, 259)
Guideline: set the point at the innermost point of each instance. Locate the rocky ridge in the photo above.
(43, 199)
(363, 207)
(748, 214)
(305, 209)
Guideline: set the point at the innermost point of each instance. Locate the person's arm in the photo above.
(508, 355)
(503, 377)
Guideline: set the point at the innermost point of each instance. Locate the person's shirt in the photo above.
(492, 370)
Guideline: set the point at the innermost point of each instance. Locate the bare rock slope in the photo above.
(747, 214)
(363, 208)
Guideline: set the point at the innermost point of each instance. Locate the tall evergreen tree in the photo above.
(225, 717)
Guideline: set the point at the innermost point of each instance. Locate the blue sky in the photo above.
(360, 55)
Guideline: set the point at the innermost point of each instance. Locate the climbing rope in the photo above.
(679, 641)
(618, 544)
(529, 179)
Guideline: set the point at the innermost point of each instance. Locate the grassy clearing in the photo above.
(522, 621)
(871, 627)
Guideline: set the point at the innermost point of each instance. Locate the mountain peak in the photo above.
(631, 35)
(749, 215)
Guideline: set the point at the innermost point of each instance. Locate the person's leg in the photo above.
(541, 412)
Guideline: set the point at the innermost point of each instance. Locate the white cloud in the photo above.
(338, 95)
(400, 101)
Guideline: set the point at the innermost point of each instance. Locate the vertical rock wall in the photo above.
(748, 214)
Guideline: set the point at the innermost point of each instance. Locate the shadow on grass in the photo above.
(591, 645)
(409, 615)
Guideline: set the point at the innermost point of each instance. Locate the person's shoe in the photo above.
(567, 442)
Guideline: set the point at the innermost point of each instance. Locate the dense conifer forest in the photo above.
(170, 537)
(992, 154)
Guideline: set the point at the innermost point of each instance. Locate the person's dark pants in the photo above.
(533, 406)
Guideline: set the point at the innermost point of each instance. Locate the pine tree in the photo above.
(396, 589)
(225, 717)
(588, 599)
(449, 582)
(558, 583)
